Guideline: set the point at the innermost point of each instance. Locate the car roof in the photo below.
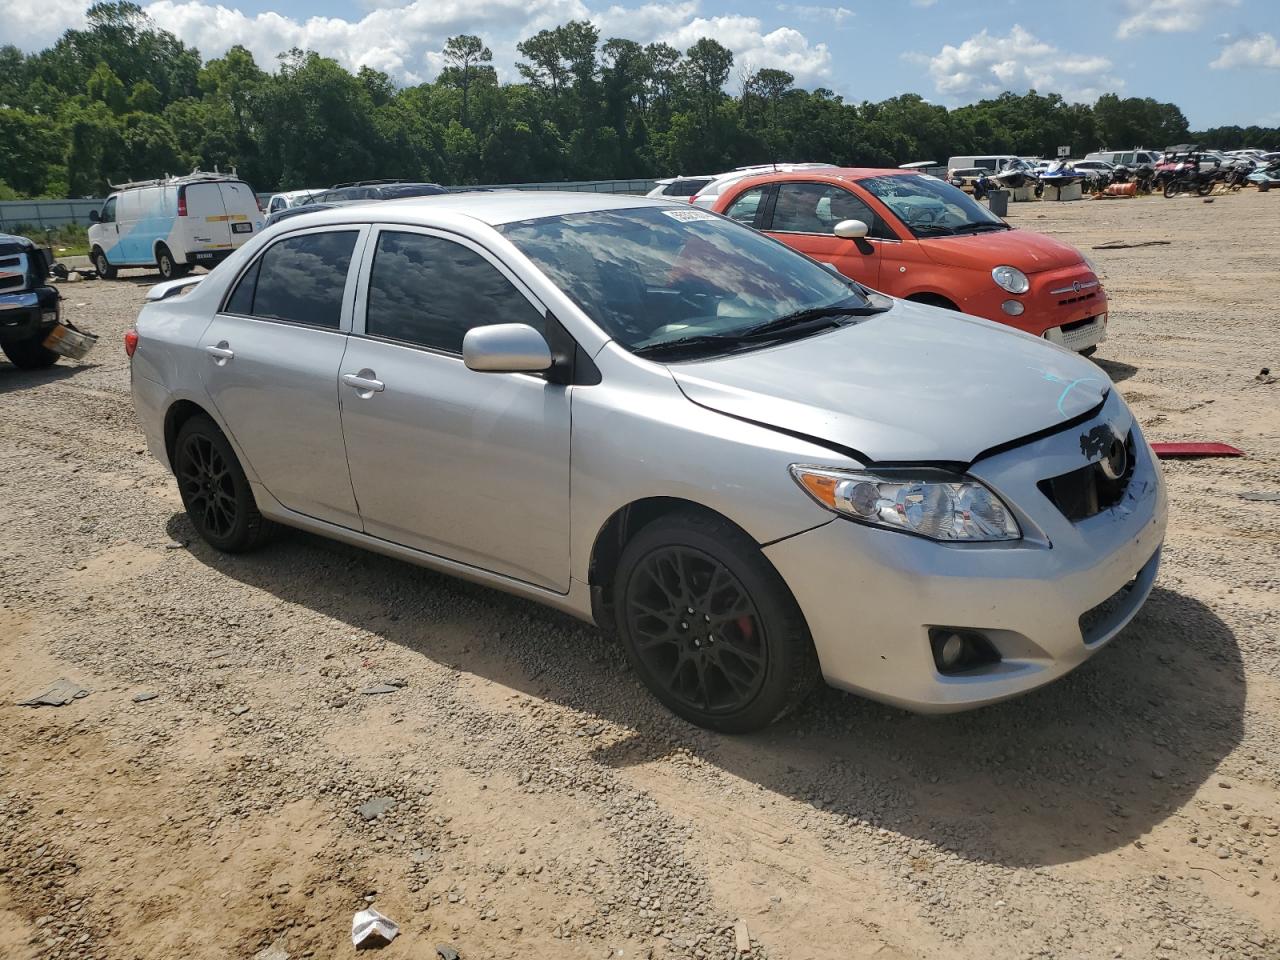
(826, 174)
(498, 207)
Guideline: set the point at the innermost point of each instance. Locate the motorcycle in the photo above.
(1237, 174)
(1142, 176)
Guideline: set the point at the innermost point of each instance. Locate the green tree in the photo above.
(467, 56)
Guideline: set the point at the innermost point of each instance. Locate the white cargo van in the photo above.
(1129, 158)
(173, 224)
(993, 162)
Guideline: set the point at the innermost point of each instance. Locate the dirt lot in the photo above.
(537, 803)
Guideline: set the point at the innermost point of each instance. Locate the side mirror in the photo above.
(95, 216)
(850, 229)
(505, 348)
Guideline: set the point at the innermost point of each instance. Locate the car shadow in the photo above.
(1086, 765)
(1117, 371)
(12, 379)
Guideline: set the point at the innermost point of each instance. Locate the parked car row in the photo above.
(749, 465)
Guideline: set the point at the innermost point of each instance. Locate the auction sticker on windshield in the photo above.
(688, 216)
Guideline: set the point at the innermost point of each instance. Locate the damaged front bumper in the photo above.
(30, 314)
(1044, 604)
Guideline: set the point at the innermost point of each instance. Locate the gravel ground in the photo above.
(519, 795)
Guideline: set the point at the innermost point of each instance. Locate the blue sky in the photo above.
(1217, 59)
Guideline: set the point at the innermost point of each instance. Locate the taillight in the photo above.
(182, 201)
(693, 198)
(130, 342)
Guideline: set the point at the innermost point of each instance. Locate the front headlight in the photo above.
(931, 503)
(1011, 279)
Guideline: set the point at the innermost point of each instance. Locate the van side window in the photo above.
(429, 291)
(108, 211)
(299, 280)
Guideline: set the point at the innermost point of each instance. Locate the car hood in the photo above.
(917, 383)
(1027, 250)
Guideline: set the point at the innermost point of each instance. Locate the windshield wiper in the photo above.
(814, 317)
(801, 321)
(975, 227)
(723, 343)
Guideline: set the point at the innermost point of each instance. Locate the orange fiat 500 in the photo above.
(916, 237)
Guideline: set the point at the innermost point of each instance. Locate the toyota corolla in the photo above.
(751, 469)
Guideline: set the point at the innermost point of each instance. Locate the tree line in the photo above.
(124, 100)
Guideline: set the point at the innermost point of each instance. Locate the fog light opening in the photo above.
(1013, 308)
(957, 650)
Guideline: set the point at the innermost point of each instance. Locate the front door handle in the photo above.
(365, 383)
(220, 352)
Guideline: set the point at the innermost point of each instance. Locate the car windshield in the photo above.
(930, 207)
(660, 279)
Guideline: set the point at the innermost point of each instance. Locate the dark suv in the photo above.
(29, 307)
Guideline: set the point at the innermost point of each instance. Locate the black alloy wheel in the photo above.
(214, 489)
(696, 629)
(206, 486)
(709, 625)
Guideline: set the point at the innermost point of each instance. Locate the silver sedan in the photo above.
(752, 470)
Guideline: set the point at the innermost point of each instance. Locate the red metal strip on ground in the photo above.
(1166, 450)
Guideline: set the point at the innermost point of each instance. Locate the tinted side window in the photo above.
(241, 299)
(818, 207)
(745, 207)
(430, 291)
(301, 280)
(109, 211)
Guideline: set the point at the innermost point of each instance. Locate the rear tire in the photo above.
(29, 354)
(1171, 189)
(170, 269)
(100, 263)
(214, 489)
(744, 657)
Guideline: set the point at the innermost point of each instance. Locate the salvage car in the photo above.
(914, 236)
(30, 307)
(750, 468)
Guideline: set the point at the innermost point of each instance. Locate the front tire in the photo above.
(100, 263)
(1171, 189)
(743, 657)
(29, 354)
(215, 491)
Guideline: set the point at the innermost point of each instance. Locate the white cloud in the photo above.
(783, 49)
(679, 25)
(396, 40)
(1260, 50)
(986, 65)
(1168, 16)
(404, 39)
(836, 15)
(35, 24)
(646, 23)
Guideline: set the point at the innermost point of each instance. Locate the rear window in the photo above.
(686, 188)
(398, 191)
(298, 280)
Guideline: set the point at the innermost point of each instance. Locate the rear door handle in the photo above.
(365, 383)
(221, 352)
